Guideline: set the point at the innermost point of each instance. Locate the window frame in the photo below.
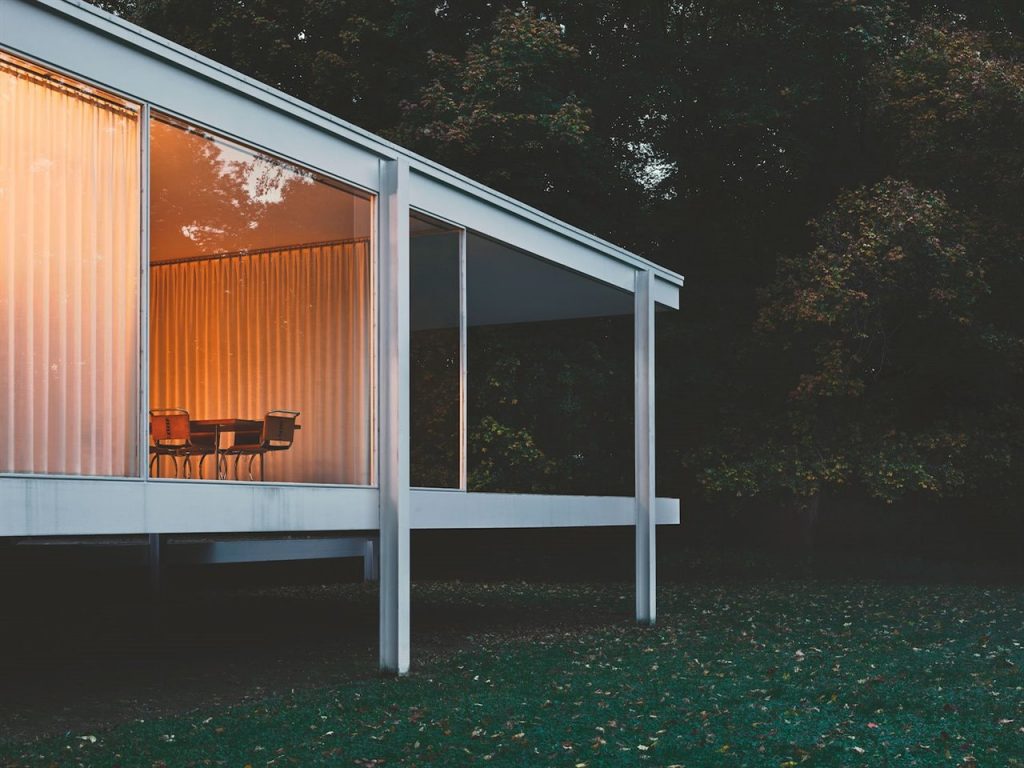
(147, 111)
(173, 118)
(463, 434)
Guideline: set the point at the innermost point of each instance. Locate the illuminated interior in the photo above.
(69, 274)
(260, 299)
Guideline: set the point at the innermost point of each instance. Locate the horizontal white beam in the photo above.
(205, 551)
(263, 550)
(424, 169)
(121, 57)
(41, 506)
(454, 509)
(496, 219)
(47, 506)
(448, 202)
(666, 293)
(99, 47)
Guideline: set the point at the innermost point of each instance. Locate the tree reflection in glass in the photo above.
(434, 353)
(212, 196)
(260, 299)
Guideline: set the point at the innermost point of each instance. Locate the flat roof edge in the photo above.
(177, 55)
(455, 179)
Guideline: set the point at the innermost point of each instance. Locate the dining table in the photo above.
(218, 427)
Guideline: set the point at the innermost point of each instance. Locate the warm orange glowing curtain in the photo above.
(69, 269)
(238, 335)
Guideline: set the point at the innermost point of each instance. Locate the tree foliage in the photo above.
(876, 322)
(505, 95)
(891, 336)
(876, 350)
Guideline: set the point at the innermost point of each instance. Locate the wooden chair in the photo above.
(277, 434)
(171, 432)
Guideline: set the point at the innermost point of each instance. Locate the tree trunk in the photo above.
(803, 513)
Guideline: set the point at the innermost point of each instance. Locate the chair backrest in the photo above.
(169, 426)
(279, 429)
(250, 438)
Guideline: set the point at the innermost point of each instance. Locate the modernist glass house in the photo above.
(212, 297)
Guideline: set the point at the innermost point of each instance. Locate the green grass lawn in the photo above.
(778, 673)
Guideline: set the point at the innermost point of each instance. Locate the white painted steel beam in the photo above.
(440, 508)
(49, 506)
(264, 550)
(371, 571)
(88, 43)
(97, 46)
(646, 520)
(88, 507)
(463, 368)
(142, 404)
(157, 549)
(393, 389)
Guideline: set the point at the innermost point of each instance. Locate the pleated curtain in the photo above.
(236, 335)
(69, 271)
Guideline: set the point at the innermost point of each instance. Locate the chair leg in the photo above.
(262, 455)
(152, 461)
(202, 458)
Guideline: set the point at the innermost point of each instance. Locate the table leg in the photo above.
(216, 452)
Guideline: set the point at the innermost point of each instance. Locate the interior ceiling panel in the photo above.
(504, 285)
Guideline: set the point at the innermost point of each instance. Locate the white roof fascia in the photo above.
(200, 66)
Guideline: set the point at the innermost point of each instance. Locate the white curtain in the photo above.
(234, 336)
(69, 271)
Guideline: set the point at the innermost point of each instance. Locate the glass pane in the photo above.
(434, 353)
(259, 302)
(550, 378)
(69, 272)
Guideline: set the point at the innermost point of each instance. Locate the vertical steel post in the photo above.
(370, 560)
(142, 405)
(643, 326)
(463, 367)
(393, 420)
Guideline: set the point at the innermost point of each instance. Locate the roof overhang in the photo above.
(96, 46)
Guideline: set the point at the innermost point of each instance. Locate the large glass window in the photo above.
(69, 273)
(260, 309)
(434, 356)
(550, 376)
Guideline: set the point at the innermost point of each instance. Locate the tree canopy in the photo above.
(840, 182)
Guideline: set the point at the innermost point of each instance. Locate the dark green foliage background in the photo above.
(840, 182)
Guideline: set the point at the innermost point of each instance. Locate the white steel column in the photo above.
(393, 389)
(370, 560)
(463, 367)
(643, 395)
(142, 405)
